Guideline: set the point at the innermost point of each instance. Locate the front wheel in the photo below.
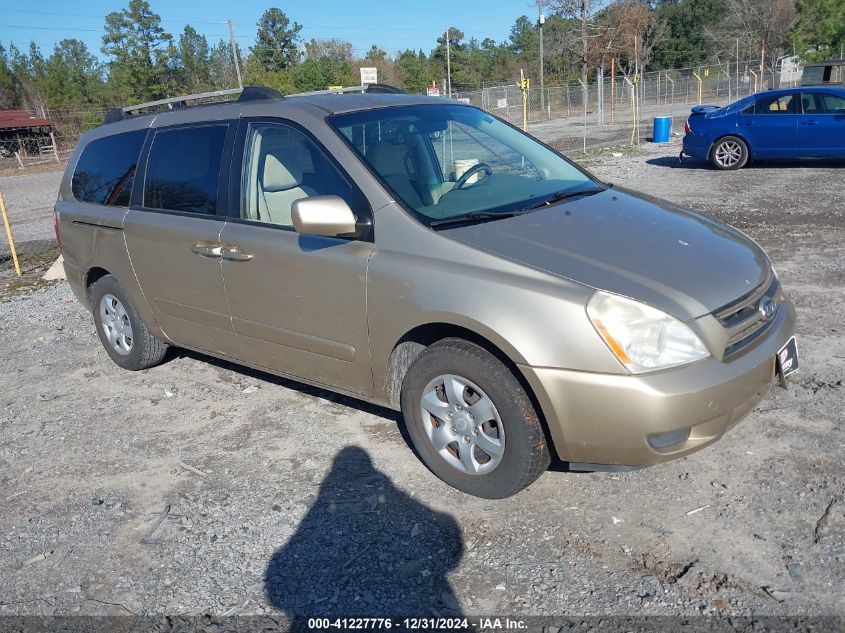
(729, 152)
(472, 422)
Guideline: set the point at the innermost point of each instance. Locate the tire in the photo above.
(122, 332)
(729, 152)
(456, 378)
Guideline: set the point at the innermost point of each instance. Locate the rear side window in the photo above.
(183, 169)
(106, 169)
(775, 104)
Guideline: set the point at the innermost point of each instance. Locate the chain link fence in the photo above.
(617, 111)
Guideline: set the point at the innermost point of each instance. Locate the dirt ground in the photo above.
(201, 488)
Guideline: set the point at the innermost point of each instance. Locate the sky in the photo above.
(392, 24)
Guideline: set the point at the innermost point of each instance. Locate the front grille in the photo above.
(743, 318)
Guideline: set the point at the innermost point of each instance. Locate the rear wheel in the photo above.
(471, 421)
(729, 152)
(122, 332)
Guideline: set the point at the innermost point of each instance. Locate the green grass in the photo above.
(33, 266)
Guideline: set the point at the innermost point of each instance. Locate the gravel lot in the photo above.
(198, 487)
(29, 201)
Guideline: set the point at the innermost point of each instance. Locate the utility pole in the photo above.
(584, 47)
(542, 20)
(448, 63)
(235, 53)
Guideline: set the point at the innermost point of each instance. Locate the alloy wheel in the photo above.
(728, 154)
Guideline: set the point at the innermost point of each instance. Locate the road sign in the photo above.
(369, 76)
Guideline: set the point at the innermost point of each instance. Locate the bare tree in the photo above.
(582, 11)
(759, 26)
(335, 49)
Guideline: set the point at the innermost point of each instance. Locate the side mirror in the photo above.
(328, 216)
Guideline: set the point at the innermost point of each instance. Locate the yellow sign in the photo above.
(335, 87)
(526, 83)
(706, 72)
(636, 78)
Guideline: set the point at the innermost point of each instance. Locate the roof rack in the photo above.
(247, 94)
(368, 89)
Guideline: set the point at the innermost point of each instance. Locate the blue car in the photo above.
(791, 123)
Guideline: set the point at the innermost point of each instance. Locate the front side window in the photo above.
(775, 104)
(281, 166)
(183, 170)
(446, 162)
(832, 104)
(106, 169)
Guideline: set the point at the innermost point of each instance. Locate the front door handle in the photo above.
(809, 122)
(207, 250)
(234, 254)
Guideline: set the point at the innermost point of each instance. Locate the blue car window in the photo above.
(833, 104)
(775, 104)
(811, 103)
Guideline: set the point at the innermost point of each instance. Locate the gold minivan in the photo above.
(424, 255)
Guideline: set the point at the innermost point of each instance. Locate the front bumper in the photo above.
(609, 419)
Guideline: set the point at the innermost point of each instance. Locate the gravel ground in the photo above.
(201, 488)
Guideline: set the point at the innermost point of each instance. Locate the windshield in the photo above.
(447, 162)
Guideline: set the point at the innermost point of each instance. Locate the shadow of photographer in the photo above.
(365, 549)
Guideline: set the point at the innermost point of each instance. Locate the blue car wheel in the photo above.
(729, 152)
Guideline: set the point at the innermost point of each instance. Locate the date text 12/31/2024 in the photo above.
(417, 624)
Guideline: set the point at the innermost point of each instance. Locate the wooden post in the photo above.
(613, 90)
(9, 235)
(55, 149)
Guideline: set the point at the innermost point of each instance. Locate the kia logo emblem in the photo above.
(767, 308)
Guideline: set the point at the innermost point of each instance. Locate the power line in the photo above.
(223, 22)
(49, 28)
(101, 17)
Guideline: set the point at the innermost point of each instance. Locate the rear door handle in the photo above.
(234, 254)
(808, 122)
(207, 250)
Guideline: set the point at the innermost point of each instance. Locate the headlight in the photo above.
(641, 337)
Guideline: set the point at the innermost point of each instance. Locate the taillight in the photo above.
(687, 128)
(56, 228)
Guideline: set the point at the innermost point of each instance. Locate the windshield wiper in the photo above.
(476, 216)
(563, 195)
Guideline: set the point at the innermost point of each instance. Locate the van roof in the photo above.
(353, 99)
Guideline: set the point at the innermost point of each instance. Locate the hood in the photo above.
(630, 244)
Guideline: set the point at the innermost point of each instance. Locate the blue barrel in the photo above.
(662, 129)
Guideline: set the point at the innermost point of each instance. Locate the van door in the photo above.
(173, 234)
(298, 302)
